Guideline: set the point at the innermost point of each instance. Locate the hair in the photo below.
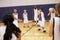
(41, 9)
(35, 6)
(51, 8)
(58, 7)
(10, 27)
(15, 8)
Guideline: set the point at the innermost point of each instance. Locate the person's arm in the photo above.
(38, 13)
(49, 14)
(59, 27)
(17, 18)
(19, 36)
(51, 29)
(23, 15)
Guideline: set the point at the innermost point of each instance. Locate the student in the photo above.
(15, 14)
(51, 13)
(9, 31)
(41, 18)
(35, 11)
(55, 25)
(25, 19)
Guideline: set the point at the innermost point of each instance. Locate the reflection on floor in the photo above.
(32, 32)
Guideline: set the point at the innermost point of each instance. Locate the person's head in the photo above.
(51, 10)
(8, 18)
(41, 9)
(25, 10)
(58, 8)
(35, 6)
(15, 10)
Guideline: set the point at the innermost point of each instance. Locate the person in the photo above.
(55, 25)
(15, 14)
(9, 31)
(51, 13)
(25, 18)
(35, 15)
(41, 19)
(35, 11)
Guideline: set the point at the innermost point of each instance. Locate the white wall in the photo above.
(6, 3)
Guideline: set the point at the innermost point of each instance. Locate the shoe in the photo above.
(39, 29)
(44, 31)
(27, 26)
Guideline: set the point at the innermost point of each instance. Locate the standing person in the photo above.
(41, 19)
(55, 25)
(51, 13)
(9, 31)
(35, 14)
(15, 14)
(25, 18)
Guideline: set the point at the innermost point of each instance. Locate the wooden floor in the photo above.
(32, 32)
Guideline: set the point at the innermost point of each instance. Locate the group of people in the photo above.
(39, 17)
(10, 30)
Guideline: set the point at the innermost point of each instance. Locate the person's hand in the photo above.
(19, 20)
(19, 36)
(48, 14)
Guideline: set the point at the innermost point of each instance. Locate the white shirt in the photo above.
(42, 16)
(35, 14)
(15, 21)
(2, 32)
(25, 17)
(52, 16)
(56, 28)
(42, 21)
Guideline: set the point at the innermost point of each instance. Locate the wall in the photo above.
(8, 5)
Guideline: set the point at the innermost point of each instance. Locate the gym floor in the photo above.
(32, 32)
